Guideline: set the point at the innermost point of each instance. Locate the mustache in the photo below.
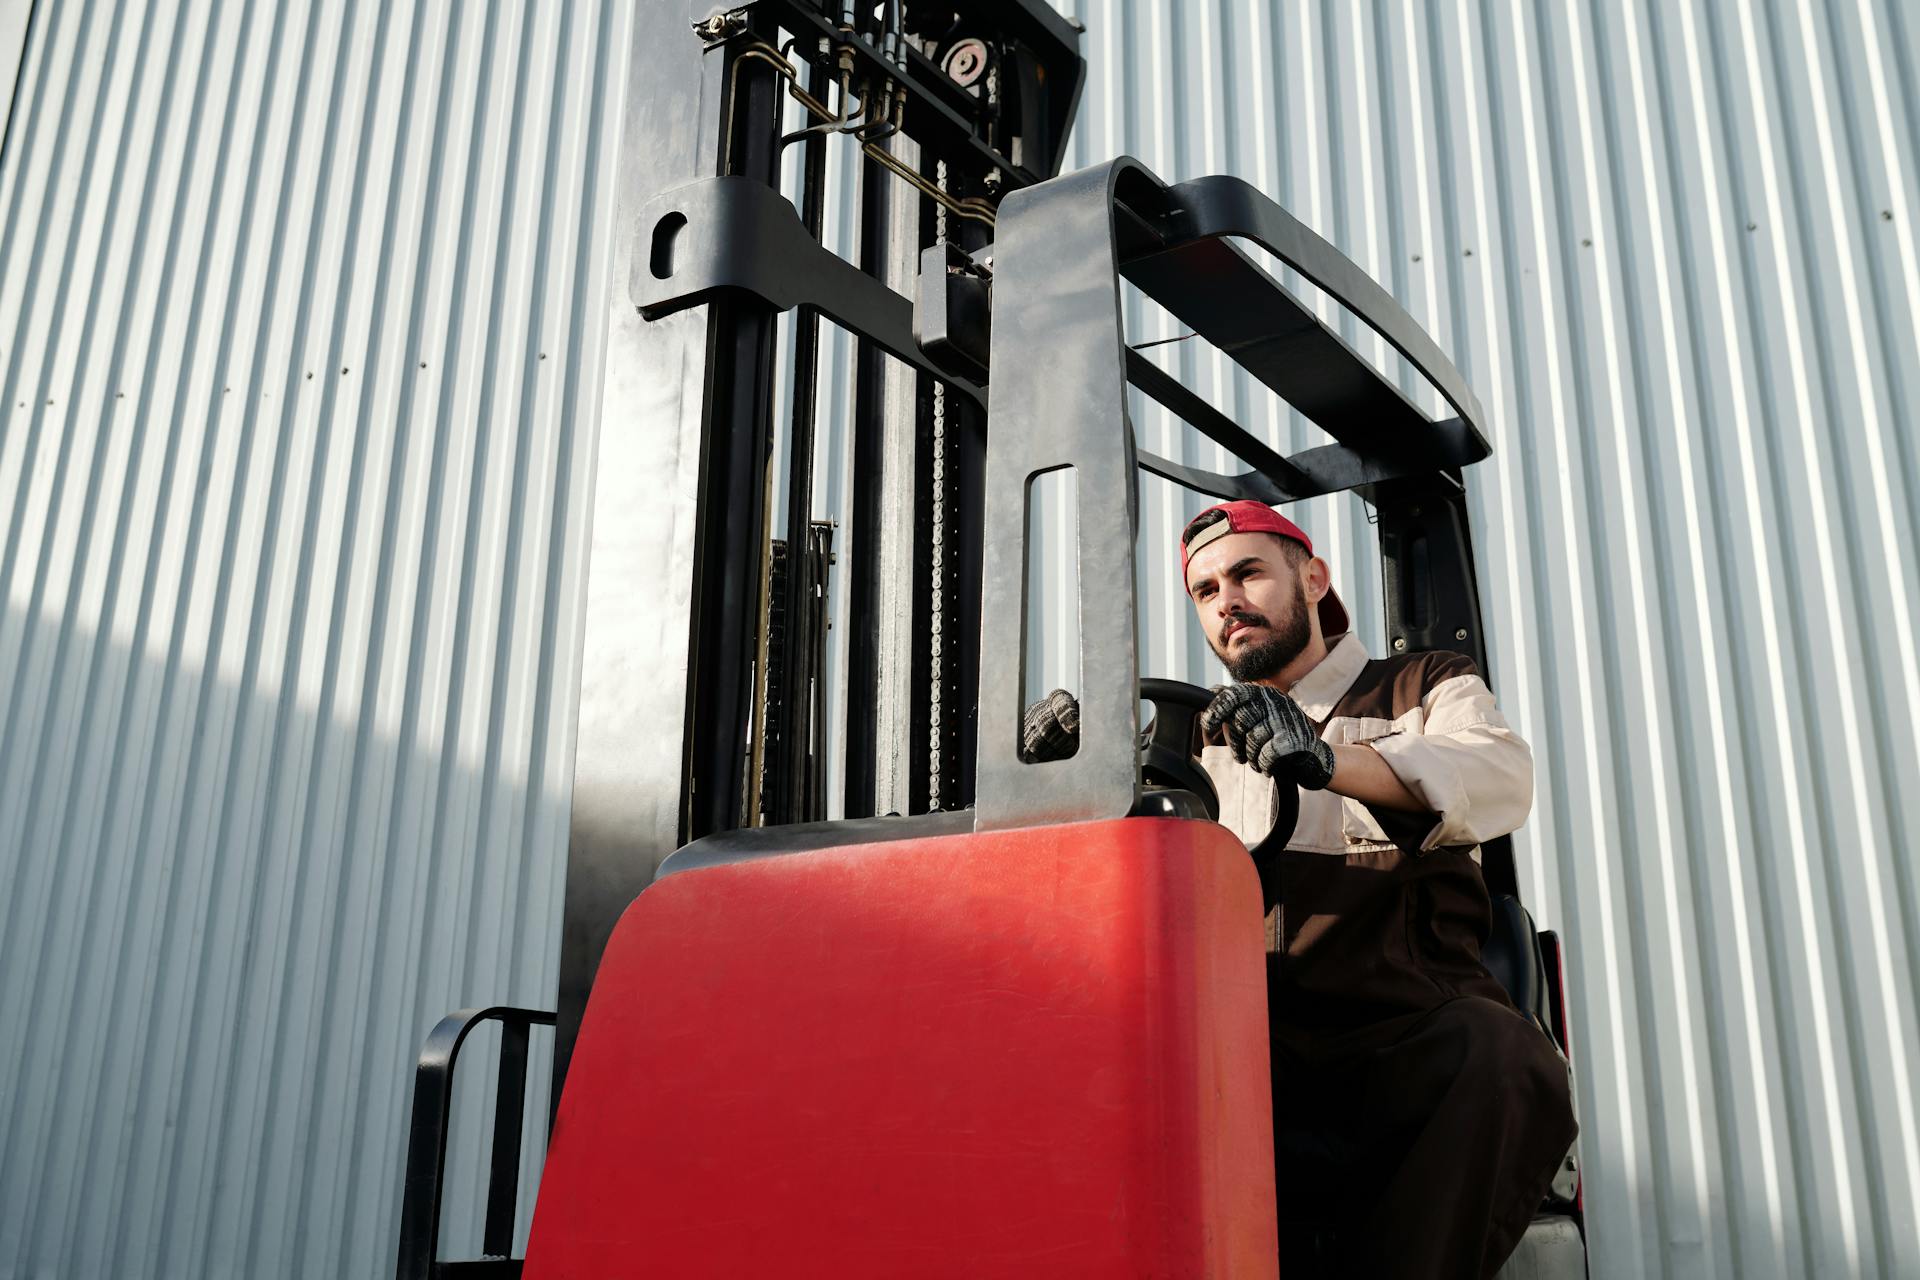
(1245, 618)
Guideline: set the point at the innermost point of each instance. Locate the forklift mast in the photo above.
(703, 660)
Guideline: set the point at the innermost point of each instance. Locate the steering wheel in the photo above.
(1170, 760)
(1170, 757)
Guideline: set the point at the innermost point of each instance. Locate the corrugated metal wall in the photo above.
(13, 40)
(1673, 247)
(300, 331)
(282, 773)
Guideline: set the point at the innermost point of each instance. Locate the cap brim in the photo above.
(1333, 616)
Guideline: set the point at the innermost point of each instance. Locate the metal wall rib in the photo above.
(1672, 245)
(300, 322)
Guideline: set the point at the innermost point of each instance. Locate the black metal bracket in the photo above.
(1432, 592)
(1312, 472)
(427, 1147)
(953, 311)
(941, 111)
(738, 234)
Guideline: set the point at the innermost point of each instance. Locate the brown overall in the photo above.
(1418, 1118)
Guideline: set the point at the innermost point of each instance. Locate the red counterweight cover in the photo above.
(1027, 1053)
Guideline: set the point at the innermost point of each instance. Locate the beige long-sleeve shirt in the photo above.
(1432, 719)
(1377, 910)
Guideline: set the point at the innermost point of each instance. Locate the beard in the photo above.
(1285, 641)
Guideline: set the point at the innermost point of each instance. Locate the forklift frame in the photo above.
(709, 252)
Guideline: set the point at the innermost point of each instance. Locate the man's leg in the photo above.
(1470, 1117)
(1319, 1109)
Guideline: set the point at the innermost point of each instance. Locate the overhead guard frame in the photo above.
(722, 235)
(1060, 366)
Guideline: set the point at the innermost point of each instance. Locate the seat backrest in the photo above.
(1512, 954)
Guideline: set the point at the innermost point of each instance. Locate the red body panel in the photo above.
(1036, 1052)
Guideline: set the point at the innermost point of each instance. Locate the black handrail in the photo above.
(427, 1146)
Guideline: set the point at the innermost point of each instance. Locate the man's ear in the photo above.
(1319, 579)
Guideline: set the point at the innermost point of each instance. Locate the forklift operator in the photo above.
(1418, 1118)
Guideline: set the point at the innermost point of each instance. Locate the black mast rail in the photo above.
(675, 732)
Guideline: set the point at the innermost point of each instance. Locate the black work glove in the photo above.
(1268, 730)
(1050, 730)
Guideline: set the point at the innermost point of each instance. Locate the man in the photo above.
(1418, 1118)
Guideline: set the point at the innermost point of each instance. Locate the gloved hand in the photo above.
(1050, 730)
(1268, 730)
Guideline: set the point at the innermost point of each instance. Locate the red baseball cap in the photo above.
(1247, 516)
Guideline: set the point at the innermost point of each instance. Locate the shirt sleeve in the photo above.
(1467, 766)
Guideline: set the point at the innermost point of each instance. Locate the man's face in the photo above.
(1252, 601)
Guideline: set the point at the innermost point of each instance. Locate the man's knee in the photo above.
(1505, 1059)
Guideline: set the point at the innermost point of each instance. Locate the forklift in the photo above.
(1002, 1017)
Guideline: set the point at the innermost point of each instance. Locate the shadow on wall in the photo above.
(229, 921)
